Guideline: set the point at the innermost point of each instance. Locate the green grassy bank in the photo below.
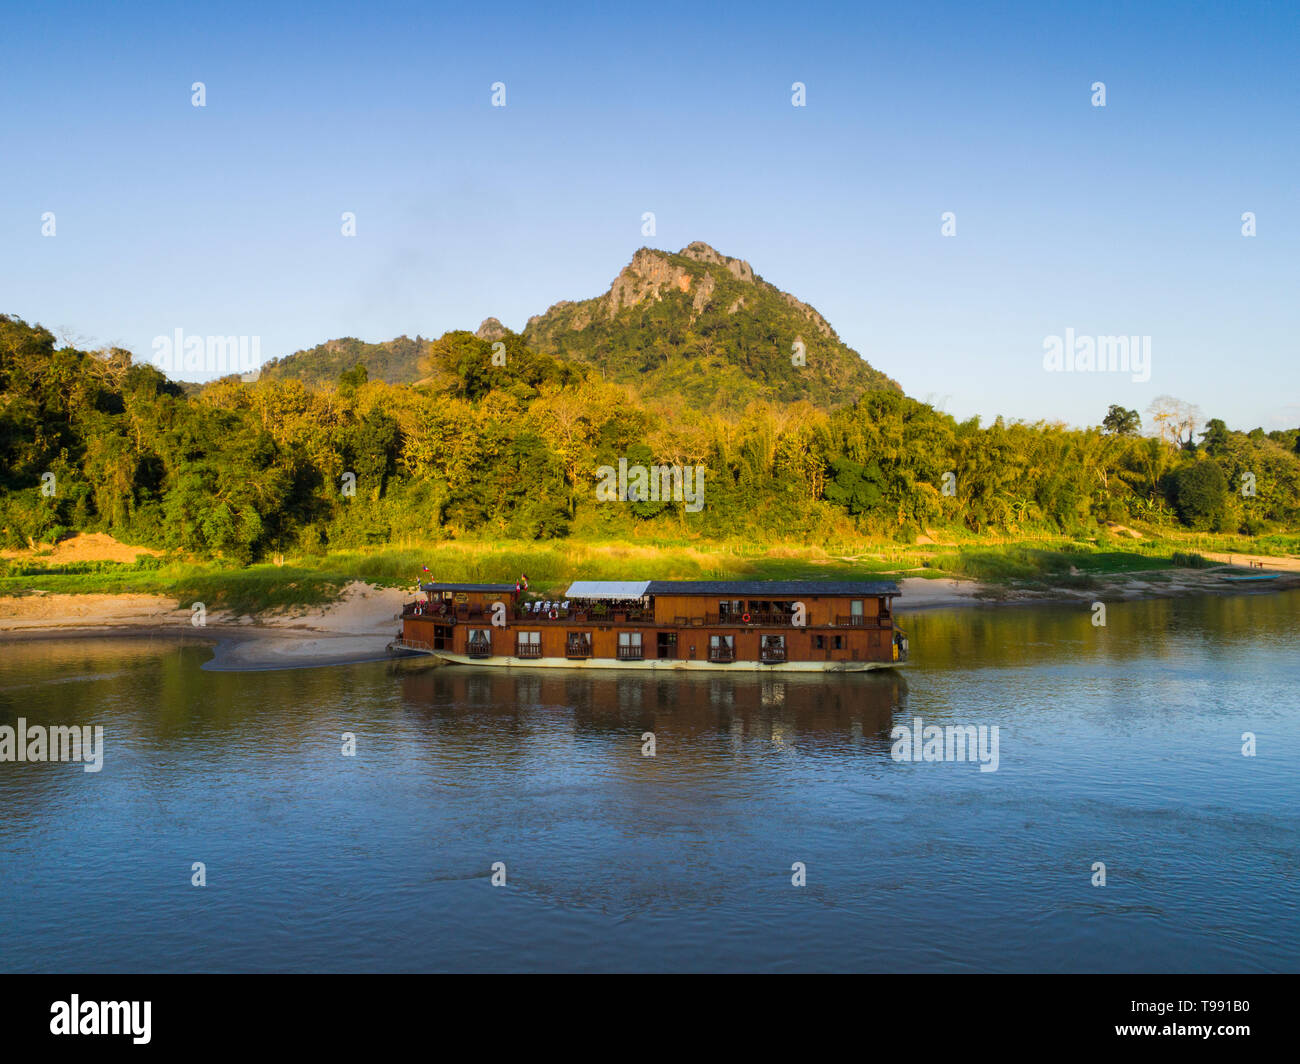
(307, 580)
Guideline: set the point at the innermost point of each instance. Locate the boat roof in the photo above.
(489, 588)
(773, 588)
(607, 589)
(635, 589)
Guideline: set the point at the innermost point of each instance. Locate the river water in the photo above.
(1120, 745)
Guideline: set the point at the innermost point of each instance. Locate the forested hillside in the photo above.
(241, 470)
(696, 327)
(701, 328)
(396, 361)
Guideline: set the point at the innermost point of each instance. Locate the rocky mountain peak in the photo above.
(652, 273)
(490, 330)
(699, 251)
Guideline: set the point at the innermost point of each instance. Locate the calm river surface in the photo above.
(1120, 744)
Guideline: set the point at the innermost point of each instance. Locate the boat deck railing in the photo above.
(411, 644)
(440, 614)
(575, 616)
(765, 618)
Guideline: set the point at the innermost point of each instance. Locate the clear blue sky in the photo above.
(1115, 220)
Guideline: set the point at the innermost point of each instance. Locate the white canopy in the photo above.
(607, 589)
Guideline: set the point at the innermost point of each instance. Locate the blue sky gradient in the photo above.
(1117, 220)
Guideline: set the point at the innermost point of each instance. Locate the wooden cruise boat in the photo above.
(782, 625)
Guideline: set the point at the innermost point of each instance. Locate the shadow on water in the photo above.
(687, 705)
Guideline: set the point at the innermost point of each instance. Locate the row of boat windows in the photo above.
(483, 636)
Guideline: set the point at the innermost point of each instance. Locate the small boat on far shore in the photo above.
(1257, 576)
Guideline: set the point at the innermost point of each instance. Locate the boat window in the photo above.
(530, 637)
(629, 639)
(855, 607)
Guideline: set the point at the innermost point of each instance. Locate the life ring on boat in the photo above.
(745, 617)
(554, 615)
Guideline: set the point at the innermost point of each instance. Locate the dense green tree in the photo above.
(855, 487)
(1201, 494)
(1121, 422)
(1215, 438)
(89, 441)
(352, 379)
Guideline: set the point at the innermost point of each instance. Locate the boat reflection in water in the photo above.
(829, 708)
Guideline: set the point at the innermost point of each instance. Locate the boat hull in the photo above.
(663, 664)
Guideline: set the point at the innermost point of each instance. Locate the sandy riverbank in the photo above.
(355, 628)
(919, 593)
(359, 626)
